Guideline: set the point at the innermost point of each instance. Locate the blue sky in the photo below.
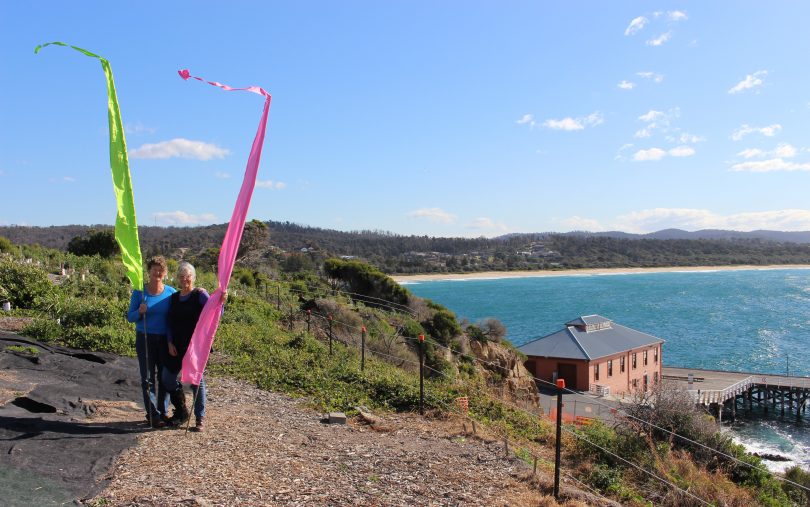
(453, 118)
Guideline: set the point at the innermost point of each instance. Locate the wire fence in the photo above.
(580, 410)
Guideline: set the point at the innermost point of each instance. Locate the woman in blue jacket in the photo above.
(149, 309)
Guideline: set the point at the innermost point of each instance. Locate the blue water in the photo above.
(751, 320)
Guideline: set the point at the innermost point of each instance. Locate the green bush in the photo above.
(92, 312)
(6, 246)
(43, 329)
(443, 326)
(796, 494)
(111, 338)
(605, 478)
(25, 286)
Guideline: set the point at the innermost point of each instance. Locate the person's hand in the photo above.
(172, 350)
(142, 308)
(224, 296)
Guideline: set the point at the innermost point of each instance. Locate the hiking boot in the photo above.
(181, 413)
(199, 425)
(155, 420)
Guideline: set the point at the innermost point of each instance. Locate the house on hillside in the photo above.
(593, 353)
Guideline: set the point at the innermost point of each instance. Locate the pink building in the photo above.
(593, 353)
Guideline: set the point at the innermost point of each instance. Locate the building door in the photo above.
(569, 373)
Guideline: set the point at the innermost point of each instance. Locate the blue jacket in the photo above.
(156, 313)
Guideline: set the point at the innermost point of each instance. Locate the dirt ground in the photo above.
(72, 431)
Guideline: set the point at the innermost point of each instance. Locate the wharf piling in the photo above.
(730, 391)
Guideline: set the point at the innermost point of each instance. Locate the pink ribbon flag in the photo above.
(196, 357)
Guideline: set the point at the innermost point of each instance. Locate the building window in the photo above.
(596, 371)
(610, 368)
(645, 358)
(635, 383)
(655, 355)
(655, 377)
(634, 361)
(621, 364)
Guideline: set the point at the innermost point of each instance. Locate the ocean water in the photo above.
(748, 320)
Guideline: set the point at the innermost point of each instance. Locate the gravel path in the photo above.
(276, 451)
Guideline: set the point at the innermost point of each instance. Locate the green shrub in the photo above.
(111, 338)
(605, 478)
(25, 286)
(443, 326)
(6, 246)
(92, 312)
(796, 494)
(43, 329)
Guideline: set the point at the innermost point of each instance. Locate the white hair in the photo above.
(187, 268)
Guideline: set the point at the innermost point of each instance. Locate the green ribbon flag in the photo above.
(126, 228)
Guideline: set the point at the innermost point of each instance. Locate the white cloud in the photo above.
(138, 128)
(770, 130)
(685, 138)
(652, 115)
(635, 25)
(751, 81)
(677, 16)
(745, 129)
(656, 120)
(571, 124)
(652, 76)
(770, 165)
(751, 153)
(183, 218)
(527, 119)
(436, 215)
(782, 150)
(564, 124)
(179, 148)
(651, 220)
(484, 223)
(785, 150)
(660, 40)
(222, 175)
(681, 151)
(651, 154)
(620, 152)
(278, 185)
(626, 85)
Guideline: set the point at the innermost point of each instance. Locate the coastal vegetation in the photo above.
(291, 247)
(297, 327)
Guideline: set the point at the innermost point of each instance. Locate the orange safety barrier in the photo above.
(463, 404)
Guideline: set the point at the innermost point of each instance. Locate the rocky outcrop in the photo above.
(503, 365)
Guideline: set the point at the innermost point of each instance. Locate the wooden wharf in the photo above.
(719, 390)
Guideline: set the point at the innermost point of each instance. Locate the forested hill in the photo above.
(301, 245)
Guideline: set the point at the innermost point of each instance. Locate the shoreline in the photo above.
(497, 275)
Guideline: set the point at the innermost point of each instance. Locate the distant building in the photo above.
(593, 353)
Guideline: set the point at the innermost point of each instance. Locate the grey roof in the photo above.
(574, 342)
(587, 320)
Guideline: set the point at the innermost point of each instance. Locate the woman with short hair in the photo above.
(148, 309)
(184, 312)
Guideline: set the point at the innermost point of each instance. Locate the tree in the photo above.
(366, 280)
(6, 246)
(101, 243)
(255, 235)
(493, 329)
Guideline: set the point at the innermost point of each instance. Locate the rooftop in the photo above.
(589, 337)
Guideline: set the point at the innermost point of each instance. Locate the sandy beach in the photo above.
(572, 272)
